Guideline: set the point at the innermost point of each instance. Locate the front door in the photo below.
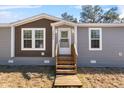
(64, 39)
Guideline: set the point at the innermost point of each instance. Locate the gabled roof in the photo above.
(34, 18)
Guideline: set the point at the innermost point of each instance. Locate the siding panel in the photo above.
(112, 43)
(42, 23)
(5, 42)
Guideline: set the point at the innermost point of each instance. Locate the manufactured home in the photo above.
(45, 40)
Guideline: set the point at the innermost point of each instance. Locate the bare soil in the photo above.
(101, 77)
(43, 77)
(26, 77)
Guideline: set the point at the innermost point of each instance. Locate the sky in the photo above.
(13, 13)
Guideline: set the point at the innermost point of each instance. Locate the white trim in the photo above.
(33, 39)
(53, 41)
(100, 25)
(34, 18)
(59, 29)
(12, 41)
(63, 22)
(95, 49)
(75, 36)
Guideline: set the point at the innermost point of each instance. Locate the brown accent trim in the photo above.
(42, 23)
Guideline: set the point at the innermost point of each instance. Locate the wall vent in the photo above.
(46, 61)
(93, 61)
(120, 54)
(11, 61)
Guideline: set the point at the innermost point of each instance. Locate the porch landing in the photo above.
(67, 81)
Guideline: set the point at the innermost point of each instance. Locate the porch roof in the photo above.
(63, 22)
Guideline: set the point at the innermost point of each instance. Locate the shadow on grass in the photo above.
(101, 70)
(27, 71)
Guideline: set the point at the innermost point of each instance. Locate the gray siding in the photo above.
(112, 44)
(30, 61)
(5, 43)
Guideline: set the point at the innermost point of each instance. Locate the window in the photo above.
(33, 39)
(64, 42)
(27, 38)
(95, 39)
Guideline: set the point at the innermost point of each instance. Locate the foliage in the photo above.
(95, 14)
(68, 17)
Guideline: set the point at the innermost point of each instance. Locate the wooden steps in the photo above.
(66, 69)
(65, 65)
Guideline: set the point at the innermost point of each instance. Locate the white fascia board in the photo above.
(100, 25)
(34, 18)
(63, 22)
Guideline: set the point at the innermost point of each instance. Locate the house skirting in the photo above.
(28, 61)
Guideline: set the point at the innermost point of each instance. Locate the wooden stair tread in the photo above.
(61, 71)
(65, 62)
(65, 66)
(65, 58)
(65, 70)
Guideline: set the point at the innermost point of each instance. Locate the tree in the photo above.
(91, 14)
(68, 17)
(95, 14)
(122, 20)
(111, 16)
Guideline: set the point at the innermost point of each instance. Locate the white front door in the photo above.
(64, 40)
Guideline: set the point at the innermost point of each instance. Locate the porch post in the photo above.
(53, 41)
(12, 41)
(75, 35)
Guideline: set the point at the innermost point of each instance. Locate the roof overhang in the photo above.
(5, 25)
(34, 18)
(100, 25)
(63, 22)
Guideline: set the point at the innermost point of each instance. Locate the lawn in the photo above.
(101, 77)
(43, 77)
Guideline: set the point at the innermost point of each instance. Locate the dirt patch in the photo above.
(101, 77)
(43, 77)
(26, 76)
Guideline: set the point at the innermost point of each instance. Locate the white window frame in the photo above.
(100, 42)
(33, 39)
